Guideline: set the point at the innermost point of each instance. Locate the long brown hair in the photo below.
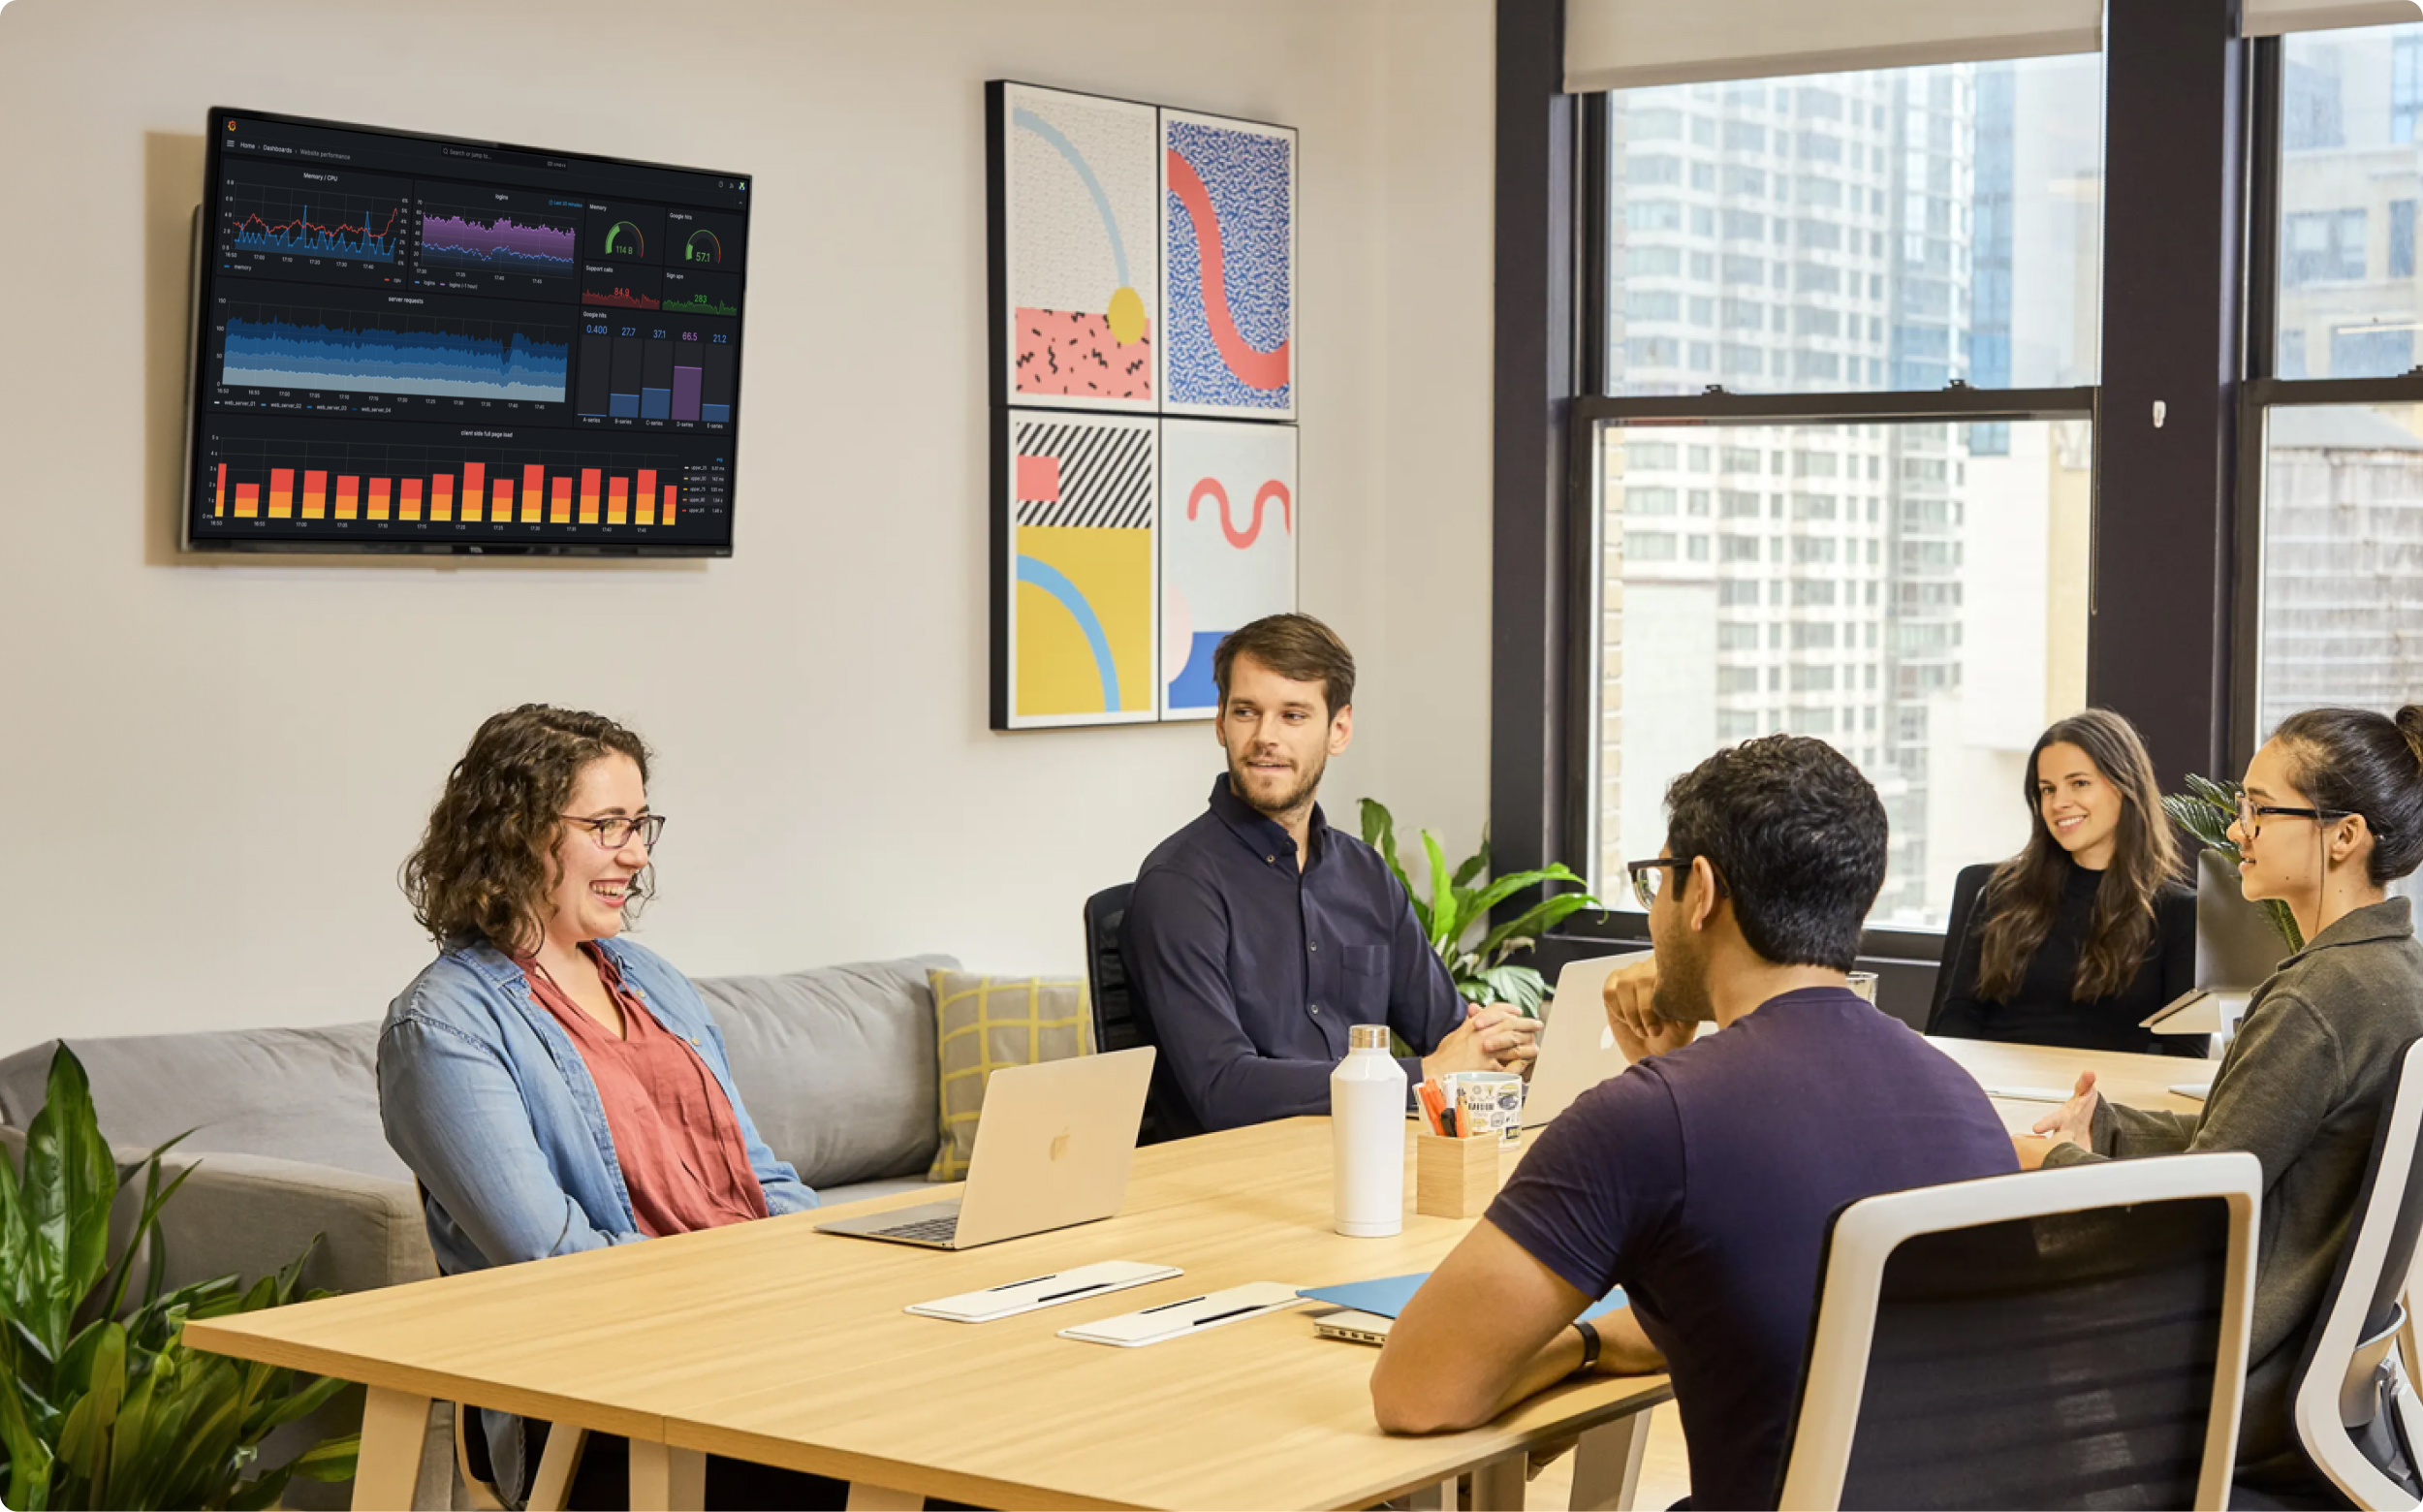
(2025, 891)
(487, 861)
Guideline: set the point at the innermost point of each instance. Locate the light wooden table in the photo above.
(772, 1343)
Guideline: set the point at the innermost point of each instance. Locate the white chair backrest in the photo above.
(2060, 1281)
(2352, 1378)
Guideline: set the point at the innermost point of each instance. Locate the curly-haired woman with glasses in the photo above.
(2332, 814)
(555, 1087)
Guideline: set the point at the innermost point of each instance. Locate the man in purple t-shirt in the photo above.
(1701, 1179)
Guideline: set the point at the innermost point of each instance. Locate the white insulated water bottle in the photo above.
(1367, 1136)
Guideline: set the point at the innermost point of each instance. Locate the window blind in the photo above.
(2272, 17)
(1628, 44)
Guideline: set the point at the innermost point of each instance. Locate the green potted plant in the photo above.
(1454, 914)
(2207, 810)
(102, 1406)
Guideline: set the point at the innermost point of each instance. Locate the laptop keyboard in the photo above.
(932, 1231)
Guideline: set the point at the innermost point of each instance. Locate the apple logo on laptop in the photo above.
(1060, 1144)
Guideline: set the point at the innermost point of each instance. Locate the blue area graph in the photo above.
(276, 353)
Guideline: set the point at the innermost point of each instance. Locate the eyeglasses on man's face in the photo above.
(614, 831)
(1648, 877)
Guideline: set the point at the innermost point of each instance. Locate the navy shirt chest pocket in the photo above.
(1362, 989)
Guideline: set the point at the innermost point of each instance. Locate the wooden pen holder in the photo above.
(1453, 1177)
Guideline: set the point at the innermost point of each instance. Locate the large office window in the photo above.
(2330, 576)
(1885, 587)
(1894, 561)
(2342, 559)
(1862, 230)
(2350, 171)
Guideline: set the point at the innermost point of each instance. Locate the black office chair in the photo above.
(1118, 1019)
(2053, 1339)
(1965, 889)
(2356, 1412)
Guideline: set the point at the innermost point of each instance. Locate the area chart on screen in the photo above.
(521, 243)
(279, 346)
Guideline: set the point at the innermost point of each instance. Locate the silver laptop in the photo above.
(1577, 1049)
(1052, 1149)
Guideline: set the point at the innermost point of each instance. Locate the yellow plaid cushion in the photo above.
(984, 1023)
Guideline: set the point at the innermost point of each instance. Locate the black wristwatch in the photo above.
(1589, 1347)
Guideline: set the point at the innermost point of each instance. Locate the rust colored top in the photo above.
(674, 1136)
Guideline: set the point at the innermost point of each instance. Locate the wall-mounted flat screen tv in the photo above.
(420, 343)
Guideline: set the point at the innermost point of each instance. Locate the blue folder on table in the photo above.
(1387, 1296)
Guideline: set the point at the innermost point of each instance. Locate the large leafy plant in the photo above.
(100, 1404)
(1454, 912)
(2207, 810)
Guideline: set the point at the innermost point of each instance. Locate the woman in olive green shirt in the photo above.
(2332, 812)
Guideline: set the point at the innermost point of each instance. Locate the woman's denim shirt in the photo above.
(486, 1099)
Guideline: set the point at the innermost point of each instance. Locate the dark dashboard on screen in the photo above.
(410, 342)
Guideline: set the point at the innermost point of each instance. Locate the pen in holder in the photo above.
(1453, 1177)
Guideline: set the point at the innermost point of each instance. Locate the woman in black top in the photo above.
(2087, 931)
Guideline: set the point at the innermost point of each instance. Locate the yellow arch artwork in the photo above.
(1110, 572)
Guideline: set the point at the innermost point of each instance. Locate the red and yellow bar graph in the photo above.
(586, 496)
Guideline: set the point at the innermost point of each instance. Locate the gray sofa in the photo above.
(837, 1066)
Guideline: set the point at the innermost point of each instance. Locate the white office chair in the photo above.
(2355, 1408)
(2050, 1338)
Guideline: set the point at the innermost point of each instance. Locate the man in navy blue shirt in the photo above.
(1258, 935)
(1775, 851)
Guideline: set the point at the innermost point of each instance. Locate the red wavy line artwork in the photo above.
(1255, 369)
(1240, 539)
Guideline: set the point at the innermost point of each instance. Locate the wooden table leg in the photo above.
(550, 1490)
(1499, 1485)
(666, 1479)
(1607, 1466)
(1440, 1497)
(387, 1472)
(867, 1497)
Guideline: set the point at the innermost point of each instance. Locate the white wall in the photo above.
(211, 769)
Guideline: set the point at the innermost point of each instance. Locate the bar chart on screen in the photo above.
(389, 485)
(678, 373)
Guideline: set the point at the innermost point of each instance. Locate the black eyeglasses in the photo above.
(613, 833)
(2250, 816)
(1648, 877)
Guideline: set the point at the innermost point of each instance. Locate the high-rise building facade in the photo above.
(1847, 233)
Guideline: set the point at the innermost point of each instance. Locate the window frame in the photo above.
(2173, 308)
(2264, 390)
(1591, 408)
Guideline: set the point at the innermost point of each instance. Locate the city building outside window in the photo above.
(1911, 589)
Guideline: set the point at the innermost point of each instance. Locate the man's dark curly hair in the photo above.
(487, 863)
(1797, 837)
